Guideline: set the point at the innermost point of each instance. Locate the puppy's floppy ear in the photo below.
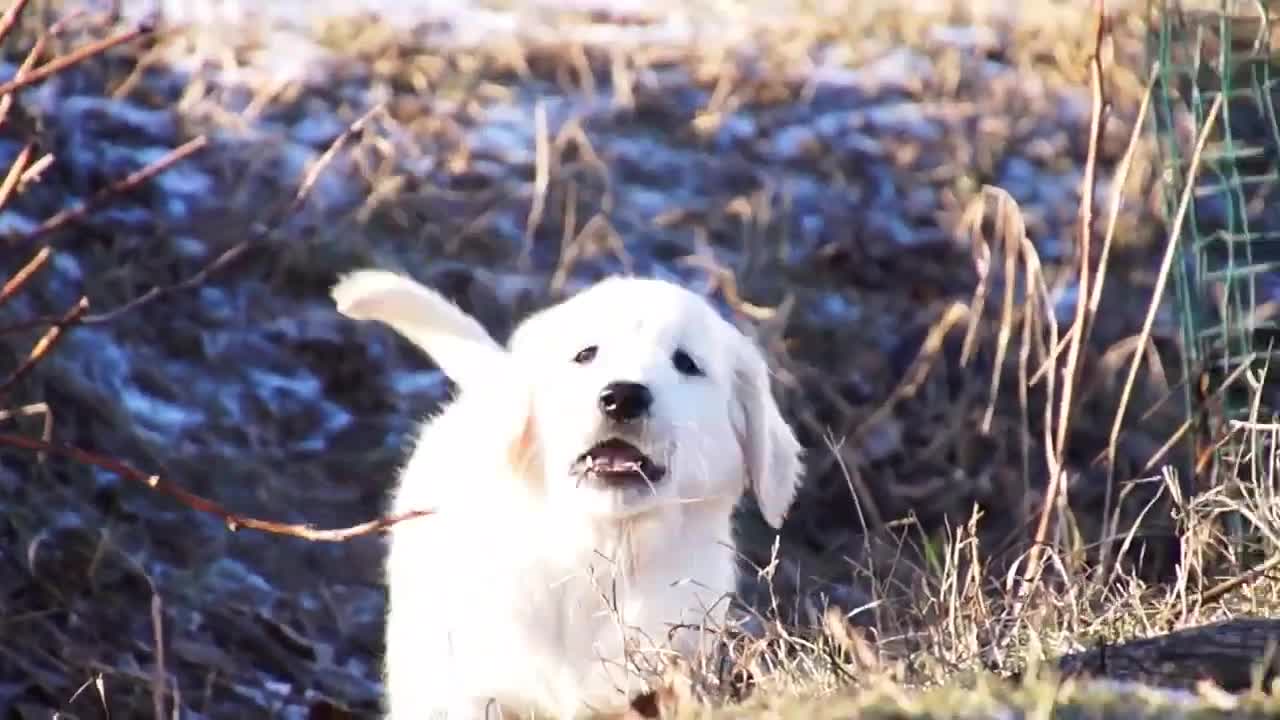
(769, 447)
(457, 342)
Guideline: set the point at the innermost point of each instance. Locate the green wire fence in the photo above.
(1227, 276)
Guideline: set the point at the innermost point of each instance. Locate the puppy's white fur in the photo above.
(531, 591)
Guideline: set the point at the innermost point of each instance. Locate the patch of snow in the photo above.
(430, 382)
(271, 385)
(181, 179)
(15, 223)
(167, 417)
(158, 126)
(68, 266)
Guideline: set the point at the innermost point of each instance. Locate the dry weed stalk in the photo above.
(1053, 359)
(1162, 277)
(1056, 446)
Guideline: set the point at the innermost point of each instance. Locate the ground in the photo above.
(845, 181)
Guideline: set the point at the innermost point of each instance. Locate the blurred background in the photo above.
(825, 172)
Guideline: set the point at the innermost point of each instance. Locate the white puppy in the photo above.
(584, 480)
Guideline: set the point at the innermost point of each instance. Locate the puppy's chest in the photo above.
(598, 608)
(611, 619)
(595, 625)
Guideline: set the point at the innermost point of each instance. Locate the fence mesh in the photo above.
(1227, 275)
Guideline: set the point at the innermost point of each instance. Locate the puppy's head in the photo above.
(645, 398)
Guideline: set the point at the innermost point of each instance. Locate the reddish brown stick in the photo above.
(45, 344)
(79, 55)
(232, 253)
(20, 278)
(126, 184)
(234, 521)
(10, 17)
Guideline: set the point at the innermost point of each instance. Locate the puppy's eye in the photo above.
(585, 355)
(685, 364)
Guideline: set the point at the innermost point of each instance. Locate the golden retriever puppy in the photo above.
(583, 479)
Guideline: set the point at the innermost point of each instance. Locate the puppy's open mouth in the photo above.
(617, 462)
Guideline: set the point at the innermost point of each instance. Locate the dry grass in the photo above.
(990, 486)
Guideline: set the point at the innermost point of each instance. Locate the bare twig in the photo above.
(1070, 369)
(1055, 442)
(258, 232)
(1166, 263)
(233, 521)
(45, 344)
(1249, 575)
(313, 173)
(1095, 296)
(160, 672)
(541, 179)
(26, 68)
(20, 278)
(28, 62)
(10, 17)
(96, 682)
(124, 185)
(16, 170)
(226, 258)
(31, 323)
(916, 373)
(1085, 220)
(34, 171)
(58, 64)
(32, 410)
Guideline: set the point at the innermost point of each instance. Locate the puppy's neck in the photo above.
(630, 543)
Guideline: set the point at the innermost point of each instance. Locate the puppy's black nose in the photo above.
(623, 401)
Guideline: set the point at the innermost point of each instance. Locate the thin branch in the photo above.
(1166, 263)
(28, 62)
(226, 258)
(1031, 572)
(13, 178)
(20, 278)
(45, 344)
(27, 66)
(233, 521)
(79, 55)
(541, 179)
(1071, 370)
(1095, 296)
(34, 171)
(1249, 575)
(10, 18)
(160, 672)
(46, 426)
(313, 173)
(31, 324)
(122, 186)
(232, 253)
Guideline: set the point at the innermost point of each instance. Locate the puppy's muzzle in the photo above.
(625, 401)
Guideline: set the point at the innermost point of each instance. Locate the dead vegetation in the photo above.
(903, 208)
